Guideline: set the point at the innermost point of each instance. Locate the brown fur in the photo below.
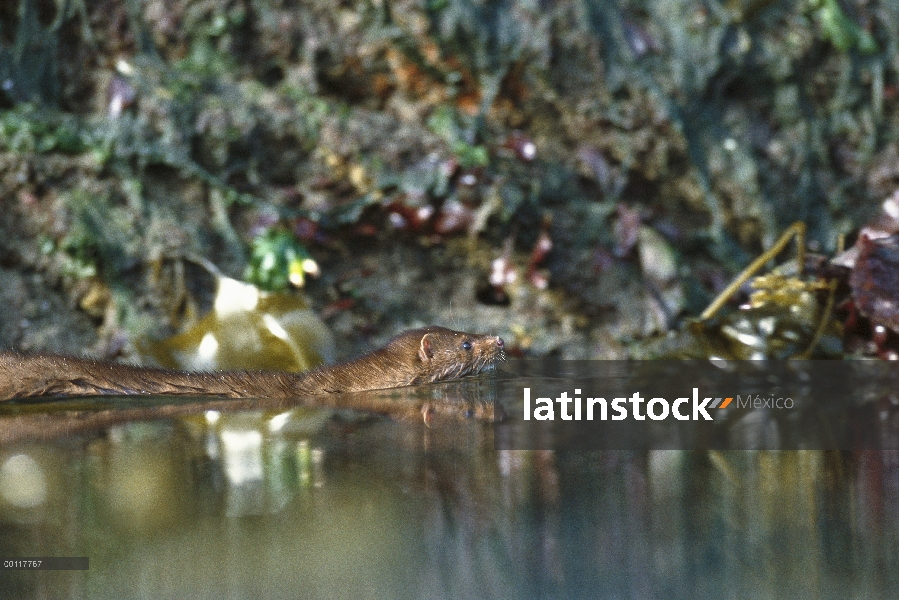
(413, 357)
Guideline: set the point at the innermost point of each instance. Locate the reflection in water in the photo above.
(305, 504)
(22, 482)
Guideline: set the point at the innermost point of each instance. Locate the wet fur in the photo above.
(413, 357)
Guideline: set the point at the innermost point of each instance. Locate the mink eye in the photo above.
(466, 345)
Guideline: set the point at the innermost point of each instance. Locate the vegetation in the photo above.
(419, 121)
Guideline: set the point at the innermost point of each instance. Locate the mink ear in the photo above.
(425, 351)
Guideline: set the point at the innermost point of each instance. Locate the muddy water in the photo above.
(291, 502)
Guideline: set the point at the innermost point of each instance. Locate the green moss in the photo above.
(27, 128)
(448, 124)
(101, 236)
(840, 30)
(471, 156)
(276, 260)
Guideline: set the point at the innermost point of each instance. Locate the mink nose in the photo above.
(500, 342)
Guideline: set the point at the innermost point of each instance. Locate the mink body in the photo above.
(413, 357)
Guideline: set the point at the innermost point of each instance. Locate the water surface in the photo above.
(279, 502)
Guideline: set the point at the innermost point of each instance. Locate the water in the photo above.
(175, 500)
